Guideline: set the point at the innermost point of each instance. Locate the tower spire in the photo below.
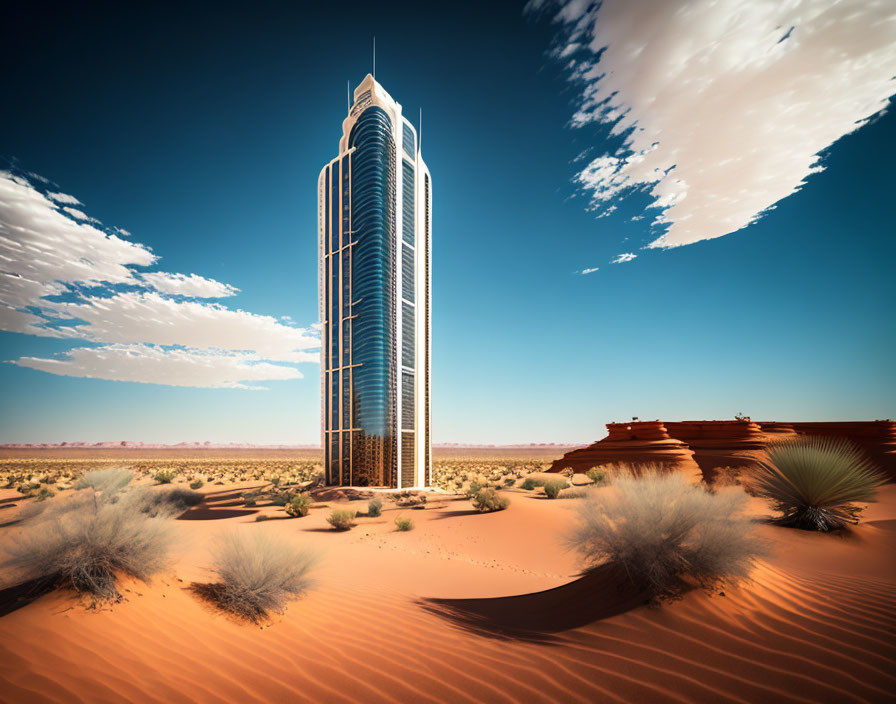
(374, 57)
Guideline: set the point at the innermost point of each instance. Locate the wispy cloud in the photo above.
(625, 257)
(149, 364)
(721, 107)
(590, 271)
(63, 275)
(76, 214)
(58, 197)
(189, 285)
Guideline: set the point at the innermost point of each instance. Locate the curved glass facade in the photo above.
(374, 288)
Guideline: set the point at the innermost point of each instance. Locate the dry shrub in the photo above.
(530, 483)
(374, 507)
(105, 481)
(666, 532)
(164, 476)
(815, 482)
(167, 502)
(82, 543)
(341, 520)
(553, 487)
(575, 493)
(298, 505)
(488, 500)
(596, 475)
(404, 524)
(258, 573)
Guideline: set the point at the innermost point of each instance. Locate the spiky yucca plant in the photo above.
(815, 482)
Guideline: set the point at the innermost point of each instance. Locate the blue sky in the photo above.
(202, 134)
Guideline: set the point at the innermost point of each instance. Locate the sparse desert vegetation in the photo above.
(508, 565)
(404, 524)
(488, 500)
(374, 507)
(258, 574)
(85, 541)
(553, 487)
(816, 482)
(298, 505)
(667, 533)
(341, 520)
(31, 474)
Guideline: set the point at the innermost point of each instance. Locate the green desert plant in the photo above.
(574, 494)
(815, 482)
(474, 488)
(374, 507)
(487, 500)
(106, 481)
(86, 541)
(595, 475)
(197, 484)
(404, 524)
(341, 520)
(164, 476)
(666, 532)
(298, 505)
(530, 483)
(45, 494)
(553, 487)
(258, 574)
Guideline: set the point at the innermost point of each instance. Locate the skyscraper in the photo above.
(374, 227)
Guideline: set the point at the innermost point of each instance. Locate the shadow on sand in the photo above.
(14, 598)
(539, 617)
(218, 505)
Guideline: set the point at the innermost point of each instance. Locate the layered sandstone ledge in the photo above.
(639, 443)
(711, 444)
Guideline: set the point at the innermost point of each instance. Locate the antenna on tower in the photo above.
(374, 57)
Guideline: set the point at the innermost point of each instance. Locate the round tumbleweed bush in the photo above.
(666, 532)
(815, 482)
(258, 573)
(341, 520)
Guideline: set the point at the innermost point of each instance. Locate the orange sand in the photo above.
(391, 619)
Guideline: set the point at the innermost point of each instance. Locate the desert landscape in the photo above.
(454, 604)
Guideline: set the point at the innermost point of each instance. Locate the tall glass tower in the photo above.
(374, 226)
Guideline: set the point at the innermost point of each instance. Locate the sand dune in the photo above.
(471, 607)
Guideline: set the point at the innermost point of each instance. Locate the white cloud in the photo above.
(48, 258)
(58, 197)
(188, 285)
(723, 106)
(76, 214)
(39, 244)
(14, 320)
(589, 271)
(152, 318)
(157, 365)
(626, 257)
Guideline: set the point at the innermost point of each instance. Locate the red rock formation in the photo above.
(710, 444)
(721, 443)
(777, 431)
(636, 443)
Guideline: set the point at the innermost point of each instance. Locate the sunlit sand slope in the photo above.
(472, 607)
